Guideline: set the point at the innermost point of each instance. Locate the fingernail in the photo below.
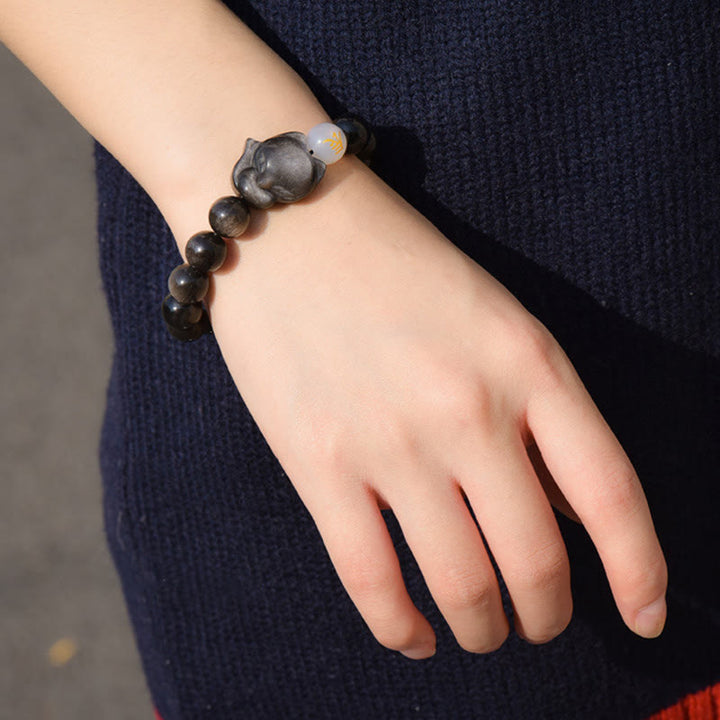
(419, 653)
(650, 621)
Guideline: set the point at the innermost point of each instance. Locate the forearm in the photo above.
(172, 89)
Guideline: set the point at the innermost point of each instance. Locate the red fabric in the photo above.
(702, 705)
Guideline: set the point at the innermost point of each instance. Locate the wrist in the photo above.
(202, 172)
(282, 170)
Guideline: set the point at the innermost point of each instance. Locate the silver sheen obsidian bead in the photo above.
(229, 216)
(206, 251)
(355, 132)
(279, 169)
(179, 315)
(192, 332)
(361, 141)
(188, 285)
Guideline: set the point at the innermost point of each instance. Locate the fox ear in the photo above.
(249, 152)
(246, 159)
(295, 135)
(318, 169)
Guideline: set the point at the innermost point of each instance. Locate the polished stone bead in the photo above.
(229, 216)
(279, 169)
(180, 315)
(355, 132)
(206, 251)
(188, 285)
(193, 332)
(327, 142)
(367, 153)
(205, 323)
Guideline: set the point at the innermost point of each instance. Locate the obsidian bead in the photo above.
(206, 251)
(205, 323)
(355, 132)
(188, 285)
(229, 216)
(179, 315)
(366, 154)
(193, 332)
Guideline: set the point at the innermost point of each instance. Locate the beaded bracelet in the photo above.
(284, 168)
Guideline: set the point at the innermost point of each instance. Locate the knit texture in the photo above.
(572, 150)
(702, 705)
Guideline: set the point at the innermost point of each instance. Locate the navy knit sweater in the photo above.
(571, 148)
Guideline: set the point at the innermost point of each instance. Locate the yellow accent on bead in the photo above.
(335, 142)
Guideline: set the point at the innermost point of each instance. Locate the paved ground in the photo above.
(66, 649)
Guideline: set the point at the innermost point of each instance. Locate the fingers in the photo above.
(361, 549)
(521, 531)
(452, 558)
(598, 480)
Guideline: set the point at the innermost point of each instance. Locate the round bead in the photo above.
(355, 132)
(205, 323)
(179, 315)
(193, 332)
(206, 251)
(366, 154)
(188, 285)
(229, 216)
(327, 142)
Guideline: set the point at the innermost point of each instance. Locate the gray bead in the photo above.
(188, 285)
(229, 216)
(179, 315)
(355, 132)
(192, 332)
(279, 169)
(206, 252)
(361, 141)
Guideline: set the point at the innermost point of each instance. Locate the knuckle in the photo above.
(466, 402)
(536, 340)
(465, 588)
(327, 448)
(528, 337)
(542, 356)
(399, 438)
(450, 389)
(647, 581)
(619, 492)
(545, 571)
(479, 405)
(365, 580)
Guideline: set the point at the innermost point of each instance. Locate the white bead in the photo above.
(327, 142)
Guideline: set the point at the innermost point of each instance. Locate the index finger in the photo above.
(598, 480)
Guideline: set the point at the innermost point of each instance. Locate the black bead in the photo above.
(206, 251)
(229, 216)
(187, 334)
(205, 323)
(355, 132)
(366, 154)
(179, 315)
(192, 332)
(188, 285)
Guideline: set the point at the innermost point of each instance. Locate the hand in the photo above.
(386, 368)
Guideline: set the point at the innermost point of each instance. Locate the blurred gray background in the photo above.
(66, 648)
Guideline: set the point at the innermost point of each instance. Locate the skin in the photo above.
(385, 368)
